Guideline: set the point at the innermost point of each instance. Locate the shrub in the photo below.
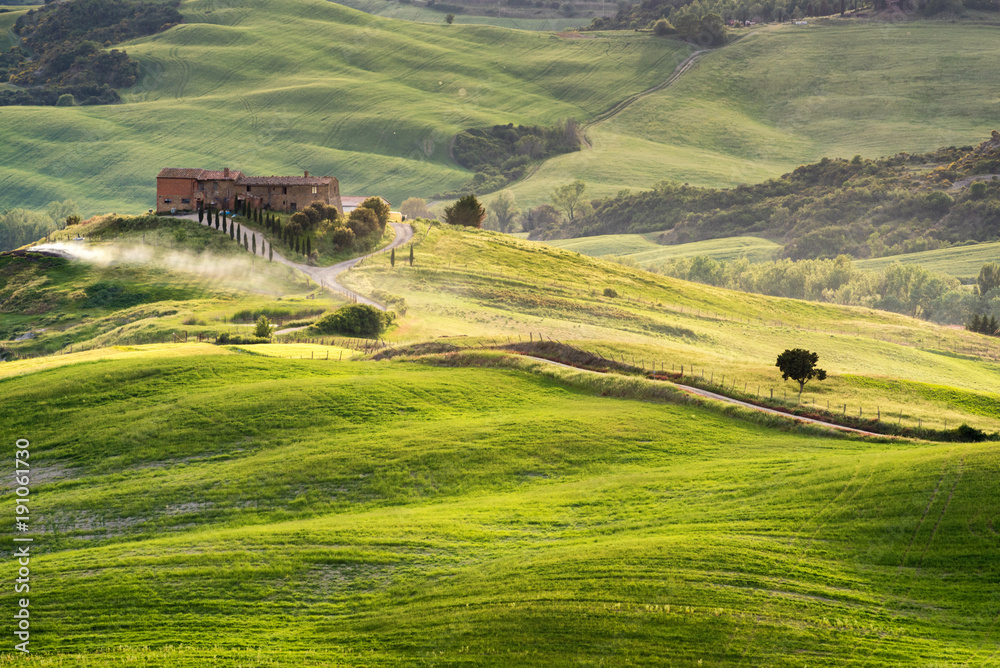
(263, 329)
(237, 339)
(362, 221)
(342, 237)
(610, 292)
(355, 320)
(663, 27)
(379, 206)
(467, 212)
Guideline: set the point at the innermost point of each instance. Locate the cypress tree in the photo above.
(411, 255)
(217, 217)
(254, 244)
(246, 245)
(201, 214)
(308, 246)
(270, 253)
(224, 212)
(392, 258)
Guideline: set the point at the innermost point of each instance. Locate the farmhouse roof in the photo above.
(199, 174)
(179, 173)
(220, 175)
(284, 181)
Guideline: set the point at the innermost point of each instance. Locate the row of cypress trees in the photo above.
(219, 219)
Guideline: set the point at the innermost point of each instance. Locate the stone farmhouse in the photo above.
(179, 189)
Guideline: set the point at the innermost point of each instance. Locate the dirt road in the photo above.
(327, 276)
(719, 397)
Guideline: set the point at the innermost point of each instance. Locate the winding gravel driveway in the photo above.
(326, 276)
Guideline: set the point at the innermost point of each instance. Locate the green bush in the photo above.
(238, 339)
(610, 292)
(355, 320)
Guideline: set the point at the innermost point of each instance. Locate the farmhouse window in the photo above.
(248, 188)
(215, 186)
(314, 190)
(284, 191)
(167, 201)
(185, 201)
(201, 187)
(293, 206)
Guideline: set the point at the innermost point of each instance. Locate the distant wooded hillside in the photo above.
(864, 208)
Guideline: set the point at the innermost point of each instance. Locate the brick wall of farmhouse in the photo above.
(171, 193)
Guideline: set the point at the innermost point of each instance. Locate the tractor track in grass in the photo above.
(679, 71)
(869, 658)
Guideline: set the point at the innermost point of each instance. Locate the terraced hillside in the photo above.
(279, 87)
(790, 95)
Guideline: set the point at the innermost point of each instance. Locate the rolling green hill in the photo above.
(301, 513)
(644, 251)
(476, 287)
(963, 262)
(220, 505)
(410, 12)
(278, 87)
(790, 95)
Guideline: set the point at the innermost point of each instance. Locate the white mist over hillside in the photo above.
(237, 272)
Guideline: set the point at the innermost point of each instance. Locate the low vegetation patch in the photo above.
(63, 61)
(226, 338)
(355, 320)
(860, 207)
(504, 153)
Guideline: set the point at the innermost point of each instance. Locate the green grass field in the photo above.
(280, 87)
(963, 262)
(277, 506)
(644, 251)
(409, 12)
(310, 513)
(790, 95)
(478, 286)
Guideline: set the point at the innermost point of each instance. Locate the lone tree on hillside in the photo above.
(799, 365)
(467, 212)
(569, 198)
(449, 18)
